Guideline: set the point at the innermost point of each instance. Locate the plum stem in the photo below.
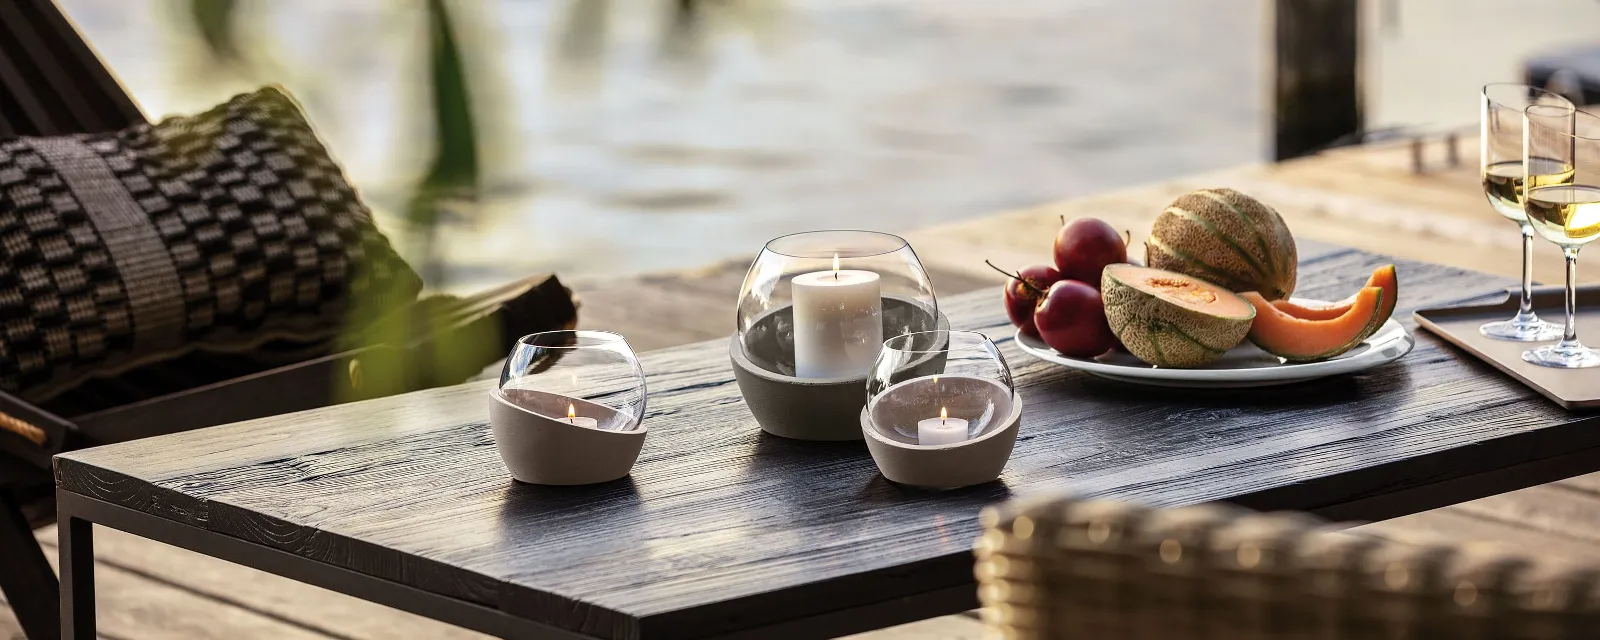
(1127, 237)
(1015, 276)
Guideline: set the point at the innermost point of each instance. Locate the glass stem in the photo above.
(1569, 338)
(1525, 312)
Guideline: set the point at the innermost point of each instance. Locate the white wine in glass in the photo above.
(1568, 214)
(1563, 205)
(1502, 182)
(1503, 170)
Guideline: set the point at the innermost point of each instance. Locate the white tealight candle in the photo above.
(941, 430)
(838, 322)
(574, 418)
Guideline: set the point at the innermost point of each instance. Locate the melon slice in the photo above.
(1383, 277)
(1172, 320)
(1302, 340)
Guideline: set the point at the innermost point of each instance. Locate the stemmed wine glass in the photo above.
(1561, 153)
(1501, 107)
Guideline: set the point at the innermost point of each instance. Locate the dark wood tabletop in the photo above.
(722, 529)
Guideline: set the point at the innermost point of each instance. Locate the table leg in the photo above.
(77, 576)
(25, 575)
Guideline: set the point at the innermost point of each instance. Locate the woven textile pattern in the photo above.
(216, 231)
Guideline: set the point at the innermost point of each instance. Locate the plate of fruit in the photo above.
(1211, 306)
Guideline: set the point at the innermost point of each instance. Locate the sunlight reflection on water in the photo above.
(644, 146)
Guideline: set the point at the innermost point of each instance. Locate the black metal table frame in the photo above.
(76, 513)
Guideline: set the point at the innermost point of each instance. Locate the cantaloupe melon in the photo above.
(1228, 238)
(1301, 340)
(1170, 319)
(1384, 277)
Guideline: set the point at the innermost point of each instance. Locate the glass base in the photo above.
(1570, 357)
(1531, 329)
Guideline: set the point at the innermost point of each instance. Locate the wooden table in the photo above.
(725, 532)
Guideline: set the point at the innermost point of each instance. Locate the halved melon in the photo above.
(1170, 319)
(1302, 340)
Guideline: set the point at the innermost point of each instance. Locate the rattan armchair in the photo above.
(1069, 569)
(53, 84)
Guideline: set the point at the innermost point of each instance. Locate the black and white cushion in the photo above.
(215, 232)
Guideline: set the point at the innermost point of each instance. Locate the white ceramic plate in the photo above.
(1242, 366)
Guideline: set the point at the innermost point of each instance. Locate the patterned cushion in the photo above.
(211, 232)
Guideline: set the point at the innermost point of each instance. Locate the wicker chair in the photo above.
(1068, 569)
(51, 84)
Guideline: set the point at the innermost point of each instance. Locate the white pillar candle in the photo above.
(838, 322)
(941, 430)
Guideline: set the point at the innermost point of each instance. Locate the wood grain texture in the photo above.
(721, 528)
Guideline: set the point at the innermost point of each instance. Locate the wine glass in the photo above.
(1561, 152)
(585, 378)
(1501, 107)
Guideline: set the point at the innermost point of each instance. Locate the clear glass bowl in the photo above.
(577, 376)
(820, 304)
(971, 395)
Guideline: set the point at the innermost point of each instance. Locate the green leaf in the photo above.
(214, 19)
(454, 170)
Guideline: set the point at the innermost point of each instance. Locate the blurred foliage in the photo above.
(214, 19)
(452, 175)
(451, 178)
(453, 172)
(419, 345)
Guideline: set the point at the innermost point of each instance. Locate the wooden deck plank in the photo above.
(1555, 509)
(1589, 483)
(130, 606)
(1440, 218)
(1465, 522)
(9, 628)
(956, 627)
(316, 610)
(662, 310)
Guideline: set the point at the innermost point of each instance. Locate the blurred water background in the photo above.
(621, 136)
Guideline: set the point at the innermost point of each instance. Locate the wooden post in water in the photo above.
(1316, 76)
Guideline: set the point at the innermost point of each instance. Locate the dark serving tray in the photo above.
(1570, 388)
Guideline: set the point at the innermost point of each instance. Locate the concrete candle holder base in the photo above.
(541, 449)
(975, 461)
(816, 408)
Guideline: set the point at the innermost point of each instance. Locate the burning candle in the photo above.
(838, 322)
(941, 430)
(574, 418)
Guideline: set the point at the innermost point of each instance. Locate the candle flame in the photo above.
(943, 415)
(572, 413)
(836, 265)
